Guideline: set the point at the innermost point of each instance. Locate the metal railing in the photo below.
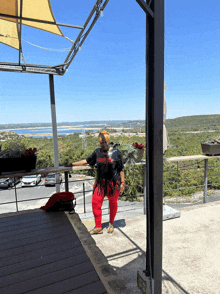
(197, 159)
(199, 165)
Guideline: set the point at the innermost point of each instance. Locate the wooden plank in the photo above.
(52, 249)
(30, 238)
(22, 266)
(36, 282)
(43, 270)
(93, 288)
(68, 284)
(43, 254)
(6, 227)
(17, 229)
(38, 216)
(40, 245)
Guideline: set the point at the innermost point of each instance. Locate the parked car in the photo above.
(50, 179)
(32, 180)
(9, 182)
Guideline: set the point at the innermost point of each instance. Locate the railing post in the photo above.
(84, 197)
(177, 186)
(66, 173)
(16, 198)
(205, 181)
(144, 184)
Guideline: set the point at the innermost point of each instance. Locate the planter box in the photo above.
(18, 163)
(140, 153)
(210, 149)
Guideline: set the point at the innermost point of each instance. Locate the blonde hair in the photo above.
(104, 135)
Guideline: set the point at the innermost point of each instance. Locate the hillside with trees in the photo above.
(194, 123)
(184, 141)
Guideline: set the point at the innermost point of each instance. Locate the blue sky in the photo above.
(106, 80)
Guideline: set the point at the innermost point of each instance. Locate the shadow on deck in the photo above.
(40, 252)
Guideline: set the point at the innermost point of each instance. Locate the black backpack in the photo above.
(62, 205)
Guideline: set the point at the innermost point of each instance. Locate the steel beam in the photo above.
(145, 7)
(81, 37)
(154, 143)
(31, 69)
(154, 140)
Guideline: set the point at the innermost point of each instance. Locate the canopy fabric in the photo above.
(9, 33)
(36, 9)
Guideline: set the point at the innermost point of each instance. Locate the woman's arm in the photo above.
(77, 163)
(122, 175)
(122, 187)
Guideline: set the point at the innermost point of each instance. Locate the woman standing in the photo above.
(110, 179)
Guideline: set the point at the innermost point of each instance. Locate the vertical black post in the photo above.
(205, 181)
(16, 198)
(154, 142)
(84, 197)
(66, 181)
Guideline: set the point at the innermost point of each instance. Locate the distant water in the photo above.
(46, 130)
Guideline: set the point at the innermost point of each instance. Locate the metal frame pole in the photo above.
(66, 181)
(54, 126)
(145, 188)
(84, 197)
(205, 181)
(154, 136)
(154, 141)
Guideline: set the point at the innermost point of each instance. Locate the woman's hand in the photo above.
(122, 187)
(68, 165)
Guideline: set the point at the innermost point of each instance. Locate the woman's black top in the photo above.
(109, 165)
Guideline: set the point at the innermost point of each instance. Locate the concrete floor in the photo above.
(191, 246)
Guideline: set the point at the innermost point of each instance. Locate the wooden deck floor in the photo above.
(41, 253)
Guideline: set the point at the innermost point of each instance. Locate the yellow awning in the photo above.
(35, 9)
(9, 33)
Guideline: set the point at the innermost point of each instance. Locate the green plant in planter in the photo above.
(15, 150)
(16, 157)
(129, 154)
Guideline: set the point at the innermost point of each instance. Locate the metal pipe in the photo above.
(205, 181)
(81, 32)
(20, 27)
(70, 58)
(54, 127)
(40, 21)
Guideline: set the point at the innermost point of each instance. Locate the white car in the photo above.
(32, 180)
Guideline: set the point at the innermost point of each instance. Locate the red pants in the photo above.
(97, 201)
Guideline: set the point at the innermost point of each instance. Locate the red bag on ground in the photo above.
(60, 196)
